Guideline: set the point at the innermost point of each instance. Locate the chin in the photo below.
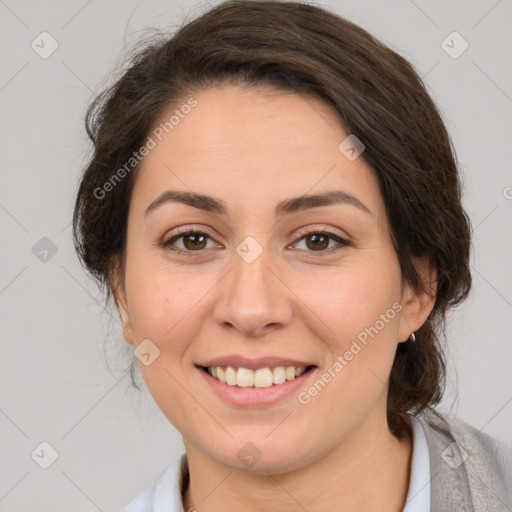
(260, 454)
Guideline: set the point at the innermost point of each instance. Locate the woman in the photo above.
(274, 205)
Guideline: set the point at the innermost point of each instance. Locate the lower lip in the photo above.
(253, 397)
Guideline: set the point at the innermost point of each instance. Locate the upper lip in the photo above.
(262, 362)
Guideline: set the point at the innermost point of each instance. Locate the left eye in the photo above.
(194, 241)
(321, 239)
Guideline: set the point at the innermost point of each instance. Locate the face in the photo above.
(317, 285)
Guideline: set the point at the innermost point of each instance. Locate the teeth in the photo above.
(261, 378)
(244, 377)
(230, 376)
(279, 375)
(290, 373)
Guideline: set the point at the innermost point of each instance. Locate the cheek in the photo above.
(168, 306)
(353, 297)
(360, 305)
(162, 296)
(163, 307)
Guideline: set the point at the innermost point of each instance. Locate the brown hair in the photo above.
(377, 95)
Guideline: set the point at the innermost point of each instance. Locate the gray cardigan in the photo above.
(470, 471)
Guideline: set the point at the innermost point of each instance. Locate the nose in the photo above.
(254, 298)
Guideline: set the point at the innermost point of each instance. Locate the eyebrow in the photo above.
(286, 207)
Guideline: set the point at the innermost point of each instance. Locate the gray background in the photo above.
(57, 386)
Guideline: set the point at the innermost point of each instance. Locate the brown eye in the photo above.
(192, 241)
(318, 241)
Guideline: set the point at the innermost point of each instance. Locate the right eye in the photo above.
(193, 241)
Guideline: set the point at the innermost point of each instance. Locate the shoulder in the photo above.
(164, 493)
(468, 467)
(444, 426)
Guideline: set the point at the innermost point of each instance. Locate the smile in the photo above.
(259, 378)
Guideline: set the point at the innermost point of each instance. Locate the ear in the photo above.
(122, 305)
(417, 306)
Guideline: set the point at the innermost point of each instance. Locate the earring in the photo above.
(412, 337)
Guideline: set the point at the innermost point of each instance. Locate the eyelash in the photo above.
(167, 244)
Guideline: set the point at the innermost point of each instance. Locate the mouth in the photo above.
(264, 377)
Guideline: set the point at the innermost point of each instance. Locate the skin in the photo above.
(253, 148)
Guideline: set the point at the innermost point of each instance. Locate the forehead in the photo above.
(254, 146)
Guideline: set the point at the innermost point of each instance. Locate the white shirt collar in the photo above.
(418, 496)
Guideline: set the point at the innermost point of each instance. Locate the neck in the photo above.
(373, 458)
